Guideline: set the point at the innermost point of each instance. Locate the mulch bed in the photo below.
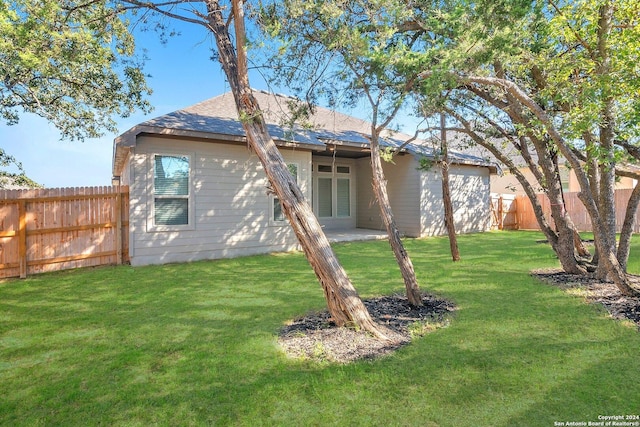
(316, 337)
(597, 291)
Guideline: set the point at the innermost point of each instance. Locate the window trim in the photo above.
(151, 205)
(272, 199)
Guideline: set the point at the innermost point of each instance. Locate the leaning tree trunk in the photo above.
(446, 193)
(579, 246)
(343, 301)
(627, 227)
(565, 246)
(402, 257)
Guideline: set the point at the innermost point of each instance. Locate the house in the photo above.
(506, 182)
(198, 192)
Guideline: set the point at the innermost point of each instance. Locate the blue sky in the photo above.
(182, 74)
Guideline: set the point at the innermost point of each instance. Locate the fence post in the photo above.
(119, 239)
(500, 213)
(22, 237)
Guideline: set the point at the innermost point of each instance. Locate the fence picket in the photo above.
(575, 208)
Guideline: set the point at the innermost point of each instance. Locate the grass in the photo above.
(195, 344)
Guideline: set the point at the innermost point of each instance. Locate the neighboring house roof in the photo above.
(217, 118)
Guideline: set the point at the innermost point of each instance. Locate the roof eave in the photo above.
(125, 142)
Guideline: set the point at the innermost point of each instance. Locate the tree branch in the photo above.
(158, 7)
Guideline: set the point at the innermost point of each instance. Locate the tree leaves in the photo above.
(73, 64)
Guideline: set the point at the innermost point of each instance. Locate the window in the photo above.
(278, 214)
(333, 188)
(343, 201)
(171, 190)
(325, 197)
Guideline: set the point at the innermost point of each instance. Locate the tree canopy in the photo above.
(73, 63)
(12, 173)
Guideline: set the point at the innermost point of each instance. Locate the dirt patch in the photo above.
(597, 291)
(315, 336)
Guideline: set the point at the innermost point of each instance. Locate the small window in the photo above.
(171, 190)
(325, 168)
(278, 213)
(343, 169)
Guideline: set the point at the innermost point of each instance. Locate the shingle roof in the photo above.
(217, 118)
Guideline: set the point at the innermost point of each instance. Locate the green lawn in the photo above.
(195, 344)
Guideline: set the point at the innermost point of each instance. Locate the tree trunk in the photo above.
(565, 246)
(343, 301)
(627, 227)
(402, 257)
(446, 193)
(606, 160)
(579, 247)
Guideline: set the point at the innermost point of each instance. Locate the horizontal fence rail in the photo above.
(516, 212)
(61, 228)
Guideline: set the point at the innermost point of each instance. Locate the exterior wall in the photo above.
(508, 184)
(230, 209)
(622, 183)
(431, 207)
(125, 177)
(403, 186)
(470, 198)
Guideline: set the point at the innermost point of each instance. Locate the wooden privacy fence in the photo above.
(524, 218)
(62, 228)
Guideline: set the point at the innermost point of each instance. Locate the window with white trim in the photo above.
(171, 190)
(278, 213)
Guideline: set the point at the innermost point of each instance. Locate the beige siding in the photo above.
(470, 198)
(403, 186)
(431, 207)
(507, 183)
(125, 178)
(230, 205)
